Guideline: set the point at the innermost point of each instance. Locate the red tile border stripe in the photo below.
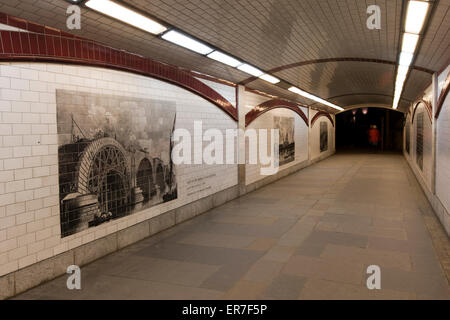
(274, 104)
(321, 114)
(441, 100)
(428, 107)
(46, 44)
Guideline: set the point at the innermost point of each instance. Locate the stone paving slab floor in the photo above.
(310, 235)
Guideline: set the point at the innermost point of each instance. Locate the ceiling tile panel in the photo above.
(271, 34)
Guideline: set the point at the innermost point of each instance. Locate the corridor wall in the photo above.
(291, 128)
(420, 155)
(443, 150)
(322, 136)
(47, 109)
(86, 140)
(432, 172)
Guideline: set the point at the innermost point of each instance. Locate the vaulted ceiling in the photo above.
(321, 46)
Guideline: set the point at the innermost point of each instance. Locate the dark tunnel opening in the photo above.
(369, 129)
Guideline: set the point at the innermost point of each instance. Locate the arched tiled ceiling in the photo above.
(434, 51)
(270, 34)
(336, 78)
(374, 105)
(361, 99)
(277, 70)
(413, 88)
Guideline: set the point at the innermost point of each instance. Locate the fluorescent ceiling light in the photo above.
(401, 75)
(250, 70)
(224, 58)
(295, 90)
(6, 27)
(186, 42)
(399, 84)
(269, 78)
(396, 101)
(302, 93)
(126, 15)
(315, 98)
(405, 59)
(398, 90)
(402, 70)
(395, 105)
(415, 16)
(409, 42)
(415, 19)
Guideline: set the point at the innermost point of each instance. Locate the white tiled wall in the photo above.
(427, 145)
(266, 121)
(315, 137)
(443, 155)
(440, 198)
(29, 208)
(427, 171)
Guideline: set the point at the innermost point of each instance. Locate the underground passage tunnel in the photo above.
(232, 151)
(353, 130)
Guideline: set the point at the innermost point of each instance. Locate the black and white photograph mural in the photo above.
(114, 157)
(323, 136)
(419, 140)
(286, 127)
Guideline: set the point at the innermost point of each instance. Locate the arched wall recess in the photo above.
(321, 114)
(273, 104)
(427, 107)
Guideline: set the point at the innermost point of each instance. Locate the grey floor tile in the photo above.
(170, 271)
(310, 250)
(285, 287)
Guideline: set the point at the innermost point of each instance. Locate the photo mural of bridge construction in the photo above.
(323, 136)
(286, 127)
(114, 157)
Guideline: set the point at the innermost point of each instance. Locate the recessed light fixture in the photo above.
(397, 93)
(269, 78)
(405, 59)
(224, 58)
(415, 16)
(5, 27)
(250, 70)
(409, 42)
(400, 80)
(402, 70)
(415, 19)
(315, 98)
(126, 15)
(187, 42)
(301, 92)
(399, 83)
